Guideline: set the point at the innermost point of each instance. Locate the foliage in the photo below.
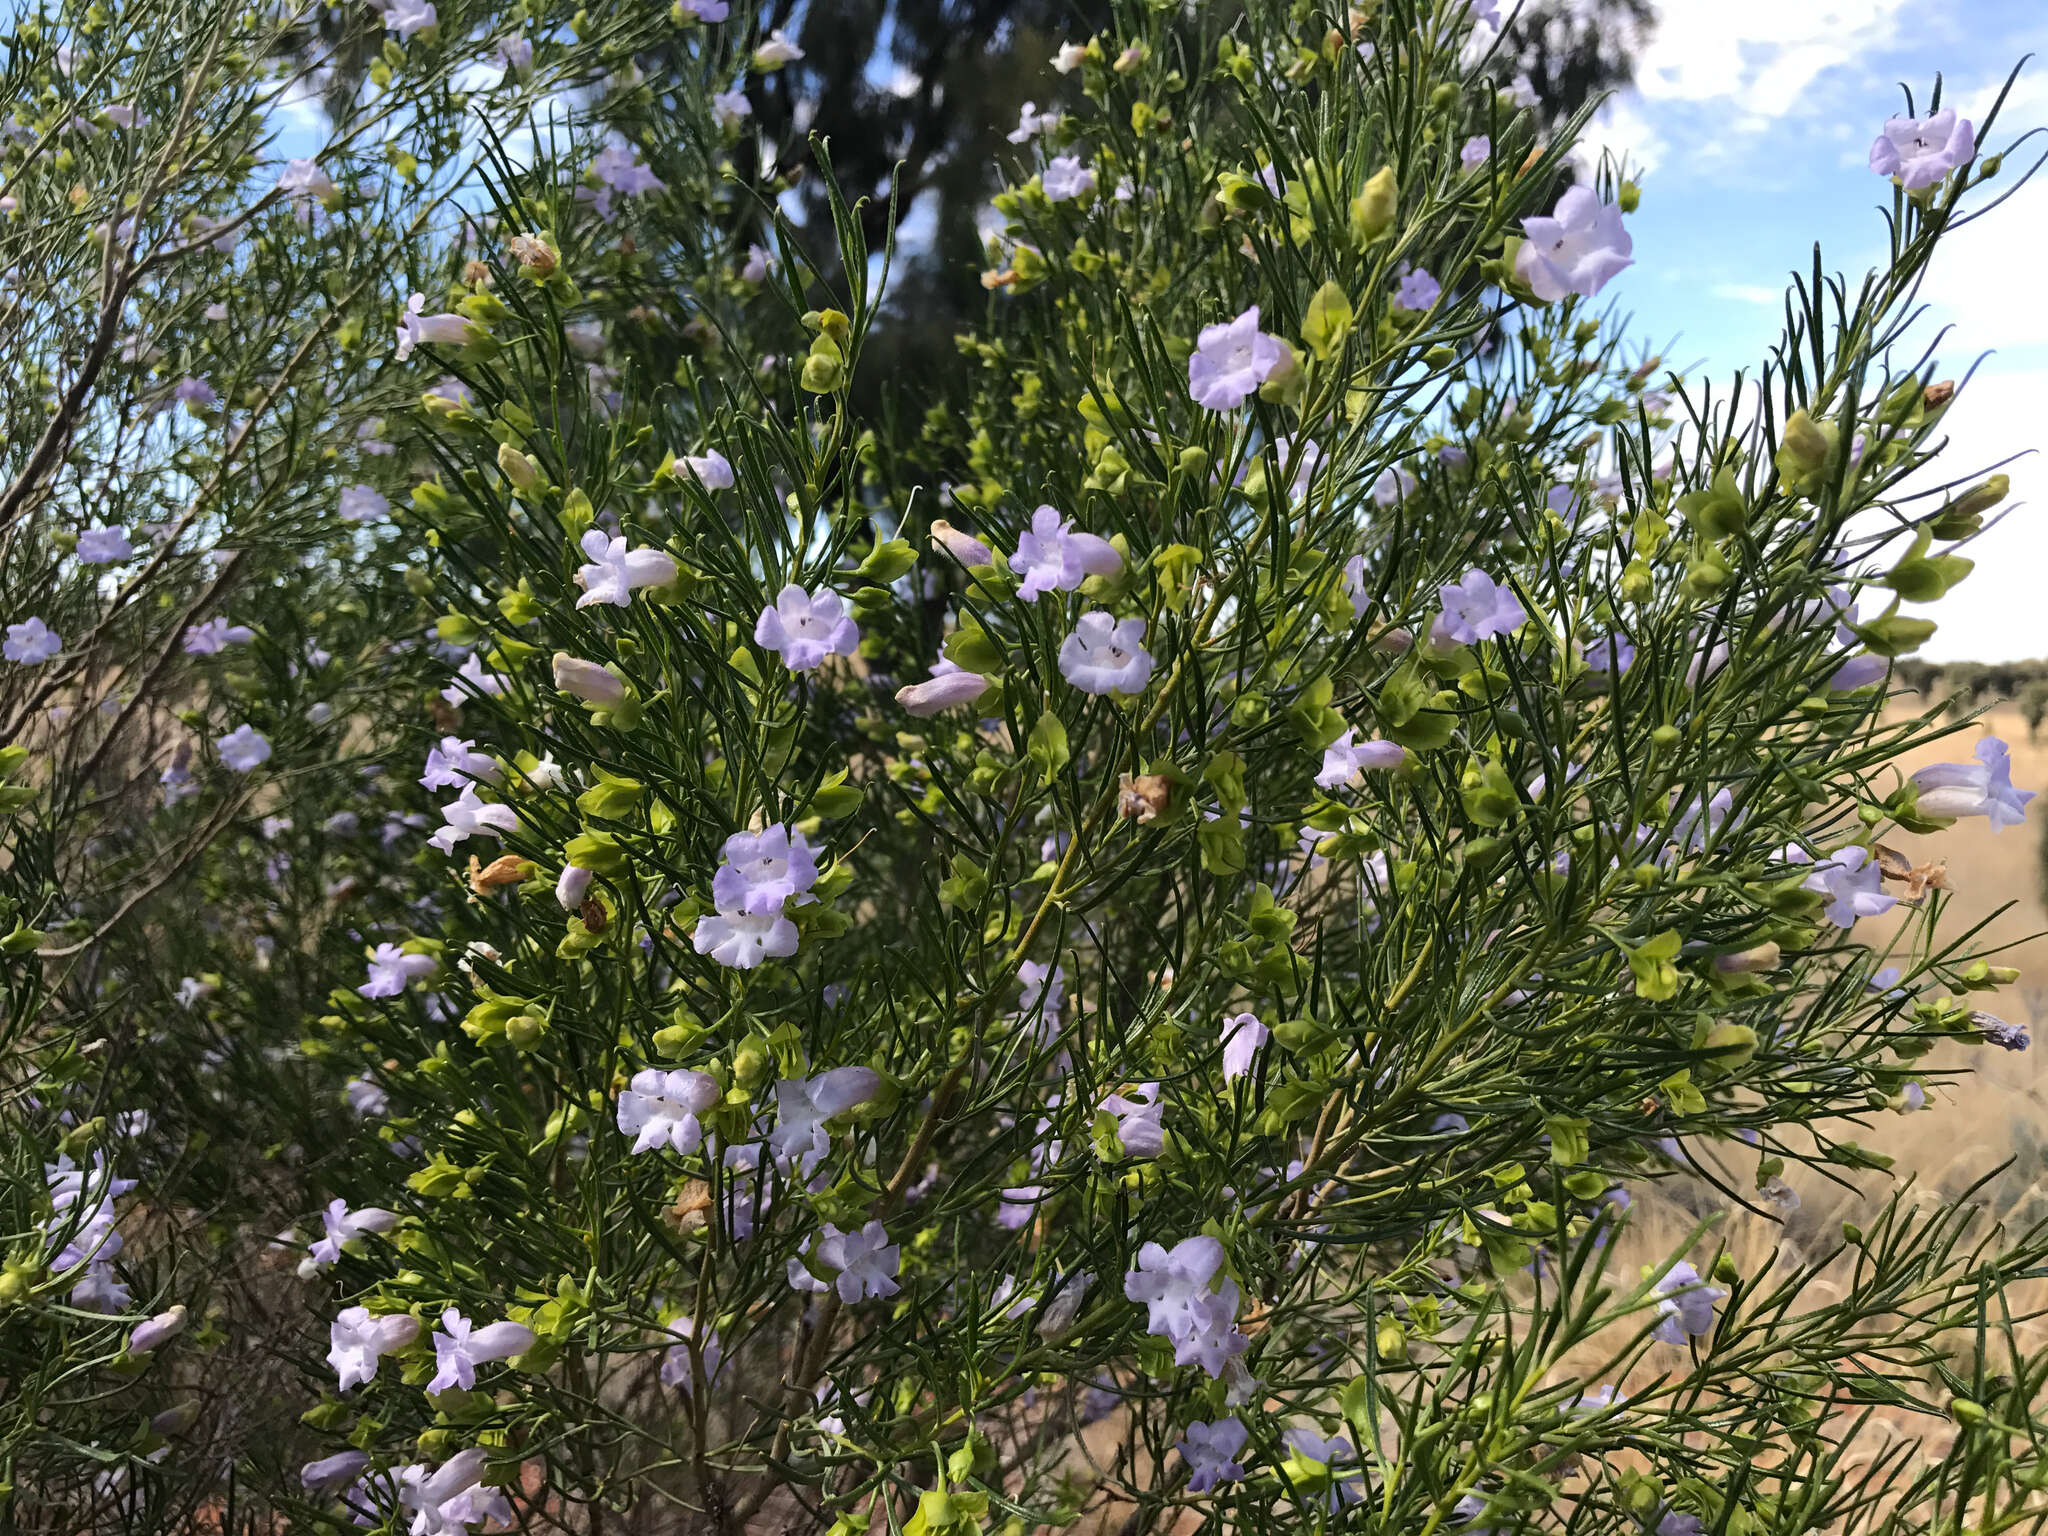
(1404, 772)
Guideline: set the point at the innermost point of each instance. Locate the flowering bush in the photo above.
(1118, 948)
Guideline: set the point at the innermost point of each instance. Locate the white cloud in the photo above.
(1758, 56)
(1621, 128)
(1748, 293)
(1983, 278)
(1995, 615)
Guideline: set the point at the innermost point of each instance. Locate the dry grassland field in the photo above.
(2000, 1110)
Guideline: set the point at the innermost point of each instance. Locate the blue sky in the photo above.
(1753, 121)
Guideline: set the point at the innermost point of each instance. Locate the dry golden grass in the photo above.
(1994, 1115)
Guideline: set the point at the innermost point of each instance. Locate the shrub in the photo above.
(1161, 907)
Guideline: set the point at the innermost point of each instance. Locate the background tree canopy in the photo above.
(927, 92)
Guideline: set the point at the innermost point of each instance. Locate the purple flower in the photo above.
(806, 627)
(356, 1341)
(448, 1499)
(709, 469)
(391, 969)
(1031, 122)
(1858, 672)
(303, 180)
(210, 637)
(1354, 586)
(1417, 290)
(31, 642)
(363, 504)
(1187, 1302)
(762, 870)
(776, 52)
(1699, 821)
(803, 1105)
(677, 1369)
(460, 1347)
(1393, 484)
(1686, 1306)
(104, 546)
(1610, 655)
(619, 167)
(660, 1109)
(1106, 655)
(1919, 151)
(1044, 992)
(572, 886)
(1230, 361)
(580, 679)
(456, 762)
(866, 1260)
(1576, 249)
(343, 1226)
(1052, 557)
(616, 572)
(1066, 178)
(1476, 608)
(1211, 1452)
(443, 330)
(1983, 788)
(1850, 881)
(2007, 1037)
(960, 544)
(365, 1098)
(242, 749)
(468, 816)
(1243, 1034)
(1475, 151)
(1345, 760)
(405, 17)
(1306, 1442)
(195, 392)
(1140, 1120)
(743, 940)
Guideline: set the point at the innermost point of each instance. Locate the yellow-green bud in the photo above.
(1373, 210)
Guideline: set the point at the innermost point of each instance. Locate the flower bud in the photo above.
(536, 258)
(1748, 962)
(1806, 446)
(588, 682)
(572, 887)
(1372, 211)
(331, 1472)
(176, 1419)
(1729, 1046)
(946, 691)
(964, 547)
(749, 1062)
(825, 368)
(517, 467)
(160, 1329)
